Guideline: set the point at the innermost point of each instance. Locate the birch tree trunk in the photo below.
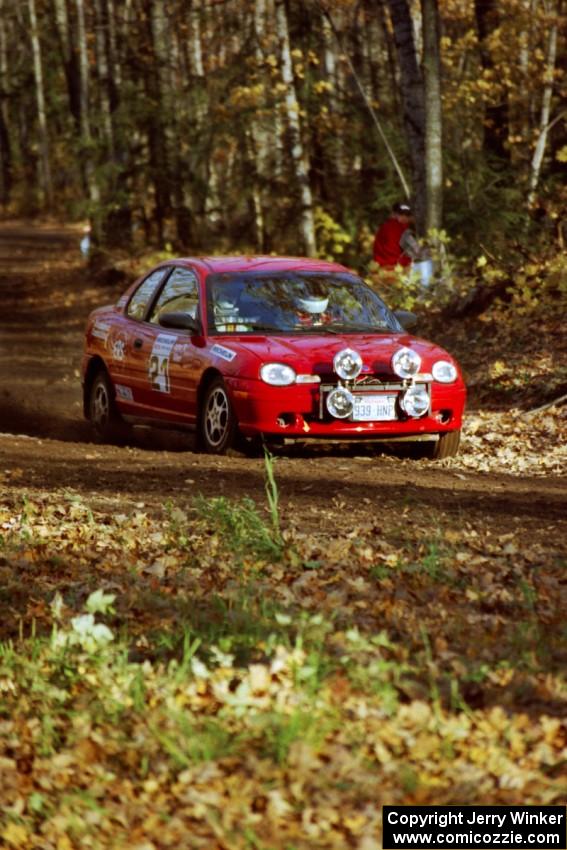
(527, 111)
(62, 23)
(257, 138)
(102, 55)
(195, 40)
(544, 122)
(85, 125)
(433, 116)
(298, 153)
(115, 71)
(44, 164)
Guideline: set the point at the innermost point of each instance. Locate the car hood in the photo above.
(313, 354)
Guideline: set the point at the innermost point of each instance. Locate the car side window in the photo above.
(180, 295)
(141, 298)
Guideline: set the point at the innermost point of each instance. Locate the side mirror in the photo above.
(406, 319)
(180, 322)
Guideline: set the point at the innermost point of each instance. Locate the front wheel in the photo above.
(217, 422)
(107, 423)
(446, 446)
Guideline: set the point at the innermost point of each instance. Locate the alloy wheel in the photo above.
(217, 417)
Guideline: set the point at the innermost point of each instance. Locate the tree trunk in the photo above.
(156, 139)
(62, 23)
(5, 159)
(526, 102)
(544, 124)
(298, 153)
(102, 55)
(195, 40)
(433, 115)
(257, 138)
(496, 114)
(115, 71)
(116, 213)
(5, 145)
(85, 124)
(69, 57)
(45, 167)
(413, 101)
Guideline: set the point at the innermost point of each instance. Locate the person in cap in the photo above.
(395, 243)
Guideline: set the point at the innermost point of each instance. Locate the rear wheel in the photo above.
(107, 423)
(217, 423)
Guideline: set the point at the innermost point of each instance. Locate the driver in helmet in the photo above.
(311, 310)
(227, 313)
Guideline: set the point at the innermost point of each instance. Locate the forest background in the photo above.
(272, 125)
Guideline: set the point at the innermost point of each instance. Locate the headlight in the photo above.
(415, 401)
(406, 362)
(347, 364)
(277, 374)
(444, 372)
(340, 403)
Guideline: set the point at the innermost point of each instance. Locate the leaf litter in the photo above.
(164, 682)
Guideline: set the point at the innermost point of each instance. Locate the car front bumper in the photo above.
(297, 412)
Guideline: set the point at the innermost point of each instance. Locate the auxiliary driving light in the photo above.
(347, 364)
(340, 403)
(406, 362)
(415, 401)
(444, 372)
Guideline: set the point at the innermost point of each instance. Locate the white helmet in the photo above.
(313, 304)
(226, 304)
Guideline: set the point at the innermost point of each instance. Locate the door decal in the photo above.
(158, 366)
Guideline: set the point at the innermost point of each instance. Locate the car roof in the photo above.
(217, 265)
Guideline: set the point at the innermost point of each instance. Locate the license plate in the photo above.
(374, 408)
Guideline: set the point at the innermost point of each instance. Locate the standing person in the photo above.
(395, 244)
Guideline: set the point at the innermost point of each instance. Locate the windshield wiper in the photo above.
(260, 326)
(357, 326)
(310, 329)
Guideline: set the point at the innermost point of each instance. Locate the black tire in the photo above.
(218, 427)
(446, 446)
(104, 417)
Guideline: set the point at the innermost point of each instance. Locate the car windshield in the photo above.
(295, 302)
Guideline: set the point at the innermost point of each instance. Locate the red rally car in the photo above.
(244, 347)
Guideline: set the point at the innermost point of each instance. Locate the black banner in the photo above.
(479, 827)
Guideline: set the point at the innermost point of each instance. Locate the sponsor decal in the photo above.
(178, 352)
(118, 349)
(125, 393)
(158, 365)
(223, 353)
(100, 330)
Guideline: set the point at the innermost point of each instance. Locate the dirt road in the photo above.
(45, 445)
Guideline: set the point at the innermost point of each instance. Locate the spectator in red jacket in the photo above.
(395, 243)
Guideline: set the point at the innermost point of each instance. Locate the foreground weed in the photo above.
(189, 743)
(272, 495)
(281, 731)
(372, 668)
(243, 530)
